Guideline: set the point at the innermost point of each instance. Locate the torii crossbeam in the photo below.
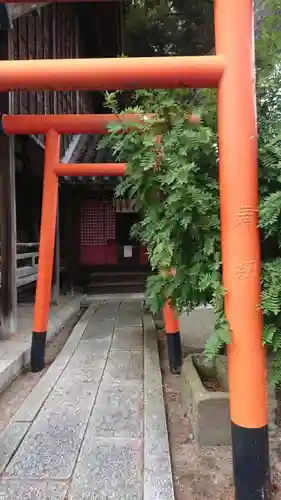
(232, 72)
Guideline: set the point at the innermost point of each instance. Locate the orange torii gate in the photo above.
(232, 72)
(80, 124)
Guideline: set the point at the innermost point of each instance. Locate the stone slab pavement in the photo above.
(94, 428)
(15, 352)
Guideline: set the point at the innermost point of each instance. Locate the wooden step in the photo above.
(125, 278)
(116, 287)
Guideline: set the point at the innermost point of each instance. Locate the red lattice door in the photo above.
(97, 233)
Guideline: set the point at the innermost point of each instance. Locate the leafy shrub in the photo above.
(179, 200)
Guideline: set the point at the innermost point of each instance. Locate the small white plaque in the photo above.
(128, 252)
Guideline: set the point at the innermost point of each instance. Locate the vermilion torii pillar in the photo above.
(238, 178)
(232, 71)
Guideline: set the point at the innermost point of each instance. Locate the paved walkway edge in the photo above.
(158, 477)
(14, 433)
(12, 367)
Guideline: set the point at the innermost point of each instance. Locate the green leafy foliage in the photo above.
(162, 27)
(269, 120)
(175, 185)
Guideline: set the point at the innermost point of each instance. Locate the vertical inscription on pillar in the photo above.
(246, 215)
(246, 270)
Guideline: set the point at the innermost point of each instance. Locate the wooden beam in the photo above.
(8, 213)
(68, 230)
(69, 155)
(21, 9)
(68, 236)
(56, 272)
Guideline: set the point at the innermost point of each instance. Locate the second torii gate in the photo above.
(232, 72)
(75, 124)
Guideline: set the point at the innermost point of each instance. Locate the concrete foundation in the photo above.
(208, 410)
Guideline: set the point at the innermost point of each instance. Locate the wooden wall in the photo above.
(53, 32)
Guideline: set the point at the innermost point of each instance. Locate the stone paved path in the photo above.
(15, 351)
(94, 427)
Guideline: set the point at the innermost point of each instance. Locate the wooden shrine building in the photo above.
(93, 229)
(99, 250)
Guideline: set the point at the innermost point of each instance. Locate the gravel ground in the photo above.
(206, 473)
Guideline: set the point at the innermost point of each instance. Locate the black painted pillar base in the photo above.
(251, 463)
(37, 357)
(174, 352)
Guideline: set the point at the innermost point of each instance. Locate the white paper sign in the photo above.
(128, 252)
